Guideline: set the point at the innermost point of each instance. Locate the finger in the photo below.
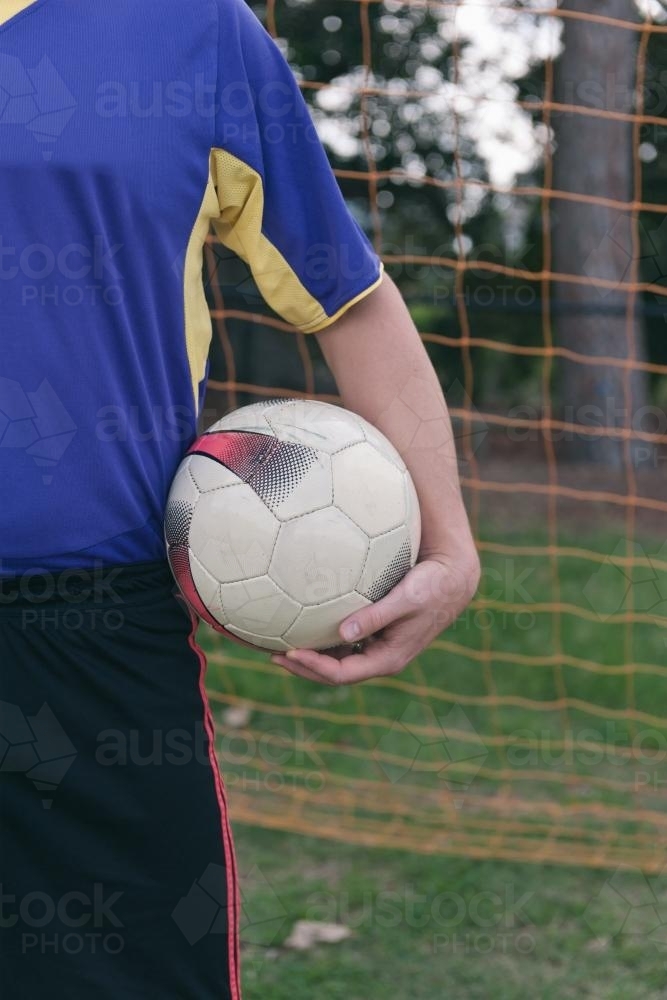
(372, 619)
(297, 669)
(347, 649)
(336, 653)
(383, 658)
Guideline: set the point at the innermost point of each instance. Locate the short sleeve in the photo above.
(281, 209)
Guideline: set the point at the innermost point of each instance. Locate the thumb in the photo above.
(366, 622)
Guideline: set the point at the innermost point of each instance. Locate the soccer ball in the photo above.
(286, 517)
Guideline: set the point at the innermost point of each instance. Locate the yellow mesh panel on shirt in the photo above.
(10, 8)
(234, 203)
(198, 326)
(239, 227)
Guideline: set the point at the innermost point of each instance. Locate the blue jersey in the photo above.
(127, 128)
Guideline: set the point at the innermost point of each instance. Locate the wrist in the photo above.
(457, 553)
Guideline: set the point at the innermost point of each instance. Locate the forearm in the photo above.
(383, 373)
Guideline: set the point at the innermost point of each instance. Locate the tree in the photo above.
(594, 157)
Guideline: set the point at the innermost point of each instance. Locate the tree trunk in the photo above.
(594, 156)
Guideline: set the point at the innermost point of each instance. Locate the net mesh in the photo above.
(533, 729)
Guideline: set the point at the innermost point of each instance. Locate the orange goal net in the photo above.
(534, 729)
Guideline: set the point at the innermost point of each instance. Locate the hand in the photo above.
(429, 599)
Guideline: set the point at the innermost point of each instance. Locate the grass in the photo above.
(431, 926)
(531, 641)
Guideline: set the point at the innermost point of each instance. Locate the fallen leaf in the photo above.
(236, 717)
(307, 933)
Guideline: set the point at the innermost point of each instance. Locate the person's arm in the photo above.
(383, 373)
(279, 207)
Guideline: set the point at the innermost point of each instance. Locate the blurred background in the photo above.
(493, 822)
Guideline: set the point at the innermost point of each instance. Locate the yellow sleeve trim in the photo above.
(330, 320)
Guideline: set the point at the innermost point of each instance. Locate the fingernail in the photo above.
(292, 654)
(351, 631)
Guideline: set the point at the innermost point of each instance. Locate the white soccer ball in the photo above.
(286, 517)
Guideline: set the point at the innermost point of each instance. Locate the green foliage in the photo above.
(411, 54)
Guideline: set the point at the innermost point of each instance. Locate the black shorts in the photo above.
(117, 869)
